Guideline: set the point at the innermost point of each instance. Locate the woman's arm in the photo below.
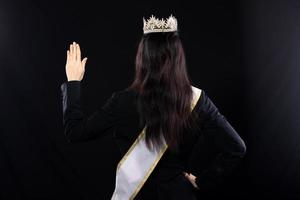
(78, 127)
(226, 142)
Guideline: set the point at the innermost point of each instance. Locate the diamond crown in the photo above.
(154, 24)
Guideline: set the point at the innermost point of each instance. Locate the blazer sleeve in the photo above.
(77, 126)
(229, 146)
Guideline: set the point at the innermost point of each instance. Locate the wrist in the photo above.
(73, 79)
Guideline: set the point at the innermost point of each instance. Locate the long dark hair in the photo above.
(164, 88)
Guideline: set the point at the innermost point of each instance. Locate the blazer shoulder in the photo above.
(200, 104)
(123, 93)
(124, 98)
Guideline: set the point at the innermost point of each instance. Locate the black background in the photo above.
(244, 54)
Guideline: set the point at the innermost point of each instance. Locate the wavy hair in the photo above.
(164, 88)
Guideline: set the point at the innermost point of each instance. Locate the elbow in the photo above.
(238, 147)
(69, 139)
(242, 148)
(72, 134)
(69, 136)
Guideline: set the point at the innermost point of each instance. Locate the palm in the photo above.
(75, 67)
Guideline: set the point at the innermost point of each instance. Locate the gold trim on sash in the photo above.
(142, 134)
(164, 148)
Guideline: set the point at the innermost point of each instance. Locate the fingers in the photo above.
(68, 55)
(78, 55)
(185, 174)
(71, 53)
(189, 176)
(192, 176)
(74, 52)
(83, 62)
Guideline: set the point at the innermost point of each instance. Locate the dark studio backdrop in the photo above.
(244, 54)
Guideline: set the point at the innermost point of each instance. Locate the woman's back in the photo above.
(210, 153)
(176, 140)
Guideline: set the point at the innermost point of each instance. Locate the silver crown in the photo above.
(160, 25)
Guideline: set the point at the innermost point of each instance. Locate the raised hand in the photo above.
(75, 67)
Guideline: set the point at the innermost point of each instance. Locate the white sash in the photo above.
(138, 163)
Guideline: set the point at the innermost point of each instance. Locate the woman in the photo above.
(160, 99)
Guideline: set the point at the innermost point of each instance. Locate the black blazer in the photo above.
(210, 153)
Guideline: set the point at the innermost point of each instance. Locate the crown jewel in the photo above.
(160, 25)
